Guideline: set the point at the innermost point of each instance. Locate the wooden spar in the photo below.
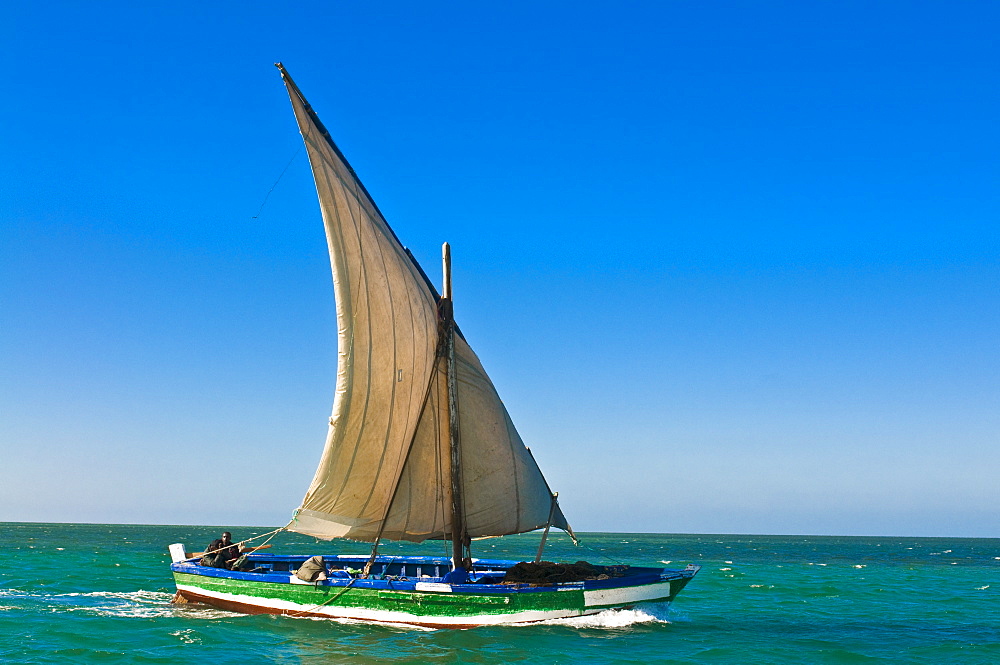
(548, 525)
(454, 437)
(243, 550)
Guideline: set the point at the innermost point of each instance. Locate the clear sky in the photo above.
(733, 266)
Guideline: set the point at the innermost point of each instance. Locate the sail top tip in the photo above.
(281, 68)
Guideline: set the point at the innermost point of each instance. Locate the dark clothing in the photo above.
(229, 553)
(223, 558)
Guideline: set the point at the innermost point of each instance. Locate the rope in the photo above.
(272, 534)
(266, 196)
(617, 562)
(269, 534)
(299, 613)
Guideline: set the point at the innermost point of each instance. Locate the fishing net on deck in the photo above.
(547, 572)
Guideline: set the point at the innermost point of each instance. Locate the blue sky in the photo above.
(733, 266)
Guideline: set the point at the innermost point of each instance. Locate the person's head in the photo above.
(226, 536)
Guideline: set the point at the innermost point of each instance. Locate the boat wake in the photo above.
(128, 604)
(615, 619)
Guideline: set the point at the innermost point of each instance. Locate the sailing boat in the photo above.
(420, 447)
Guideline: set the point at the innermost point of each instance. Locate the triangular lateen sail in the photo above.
(385, 471)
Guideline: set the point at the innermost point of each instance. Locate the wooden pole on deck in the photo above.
(548, 525)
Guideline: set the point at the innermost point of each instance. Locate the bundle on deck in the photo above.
(547, 572)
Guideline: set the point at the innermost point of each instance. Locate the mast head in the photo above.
(446, 269)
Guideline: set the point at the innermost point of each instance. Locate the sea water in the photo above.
(101, 594)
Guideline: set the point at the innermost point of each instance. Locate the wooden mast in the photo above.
(454, 435)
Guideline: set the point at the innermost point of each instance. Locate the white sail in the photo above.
(385, 471)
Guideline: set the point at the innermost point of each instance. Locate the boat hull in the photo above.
(423, 603)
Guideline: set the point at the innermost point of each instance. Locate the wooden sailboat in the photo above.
(420, 447)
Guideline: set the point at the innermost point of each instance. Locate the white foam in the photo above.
(186, 636)
(614, 619)
(128, 604)
(201, 612)
(138, 604)
(140, 596)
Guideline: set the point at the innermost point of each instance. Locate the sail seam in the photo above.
(383, 226)
(415, 425)
(441, 501)
(409, 449)
(471, 370)
(392, 393)
(362, 284)
(345, 356)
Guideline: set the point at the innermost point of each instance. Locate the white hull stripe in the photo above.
(626, 595)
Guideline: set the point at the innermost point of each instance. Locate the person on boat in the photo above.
(221, 553)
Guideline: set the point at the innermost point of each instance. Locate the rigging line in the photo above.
(315, 121)
(266, 196)
(272, 534)
(299, 613)
(243, 555)
(600, 553)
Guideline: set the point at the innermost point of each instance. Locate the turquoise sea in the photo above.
(89, 593)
